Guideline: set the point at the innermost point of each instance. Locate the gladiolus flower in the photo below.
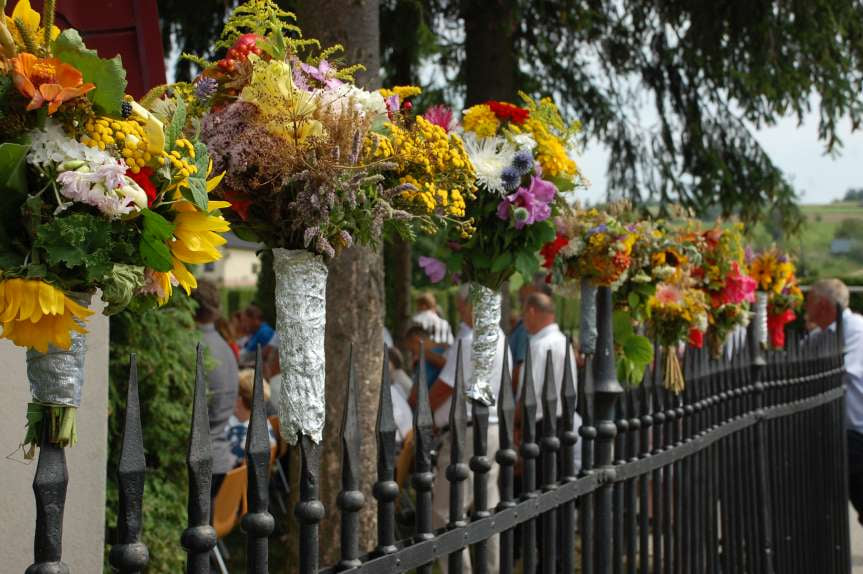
(47, 80)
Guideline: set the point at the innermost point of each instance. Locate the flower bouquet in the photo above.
(778, 292)
(675, 310)
(307, 173)
(96, 193)
(722, 277)
(520, 155)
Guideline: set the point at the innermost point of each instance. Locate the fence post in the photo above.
(506, 457)
(607, 390)
(423, 478)
(258, 523)
(49, 486)
(765, 516)
(386, 490)
(130, 555)
(457, 471)
(199, 538)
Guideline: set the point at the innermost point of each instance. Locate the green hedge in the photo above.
(164, 341)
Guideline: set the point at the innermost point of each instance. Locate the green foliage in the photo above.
(164, 340)
(108, 75)
(261, 17)
(13, 192)
(633, 352)
(120, 286)
(154, 251)
(175, 128)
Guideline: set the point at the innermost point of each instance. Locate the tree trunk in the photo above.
(354, 292)
(490, 59)
(399, 274)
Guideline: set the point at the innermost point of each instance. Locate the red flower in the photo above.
(142, 178)
(549, 250)
(776, 327)
(696, 338)
(240, 203)
(507, 111)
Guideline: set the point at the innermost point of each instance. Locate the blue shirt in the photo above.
(261, 337)
(518, 343)
(432, 372)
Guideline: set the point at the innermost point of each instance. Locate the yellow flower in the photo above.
(403, 92)
(480, 120)
(30, 19)
(35, 314)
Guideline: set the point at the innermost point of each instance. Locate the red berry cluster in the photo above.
(245, 45)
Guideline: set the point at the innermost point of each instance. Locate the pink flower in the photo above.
(738, 287)
(440, 116)
(323, 72)
(435, 269)
(529, 205)
(668, 294)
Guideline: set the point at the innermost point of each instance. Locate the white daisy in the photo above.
(489, 156)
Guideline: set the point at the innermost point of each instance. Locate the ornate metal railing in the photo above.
(745, 471)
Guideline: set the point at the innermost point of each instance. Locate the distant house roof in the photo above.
(235, 242)
(841, 246)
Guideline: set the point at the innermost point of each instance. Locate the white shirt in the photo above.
(551, 339)
(436, 326)
(401, 412)
(852, 324)
(447, 374)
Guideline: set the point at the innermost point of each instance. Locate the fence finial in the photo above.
(386, 490)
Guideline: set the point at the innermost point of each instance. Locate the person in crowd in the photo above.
(429, 319)
(440, 399)
(400, 390)
(544, 336)
(518, 336)
(417, 337)
(223, 326)
(238, 423)
(821, 310)
(238, 327)
(222, 378)
(398, 376)
(260, 332)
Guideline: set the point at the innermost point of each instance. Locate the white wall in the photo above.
(83, 533)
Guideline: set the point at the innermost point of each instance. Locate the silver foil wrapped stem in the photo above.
(761, 318)
(57, 376)
(486, 330)
(301, 294)
(587, 324)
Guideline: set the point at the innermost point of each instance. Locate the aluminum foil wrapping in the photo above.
(301, 293)
(587, 325)
(761, 318)
(57, 377)
(486, 330)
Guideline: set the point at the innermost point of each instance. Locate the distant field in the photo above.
(812, 245)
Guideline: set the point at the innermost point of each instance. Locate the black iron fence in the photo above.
(744, 472)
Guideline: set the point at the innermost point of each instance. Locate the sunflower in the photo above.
(35, 314)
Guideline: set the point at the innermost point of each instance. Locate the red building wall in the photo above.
(126, 27)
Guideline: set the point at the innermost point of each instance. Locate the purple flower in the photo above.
(435, 269)
(440, 116)
(206, 87)
(511, 178)
(393, 103)
(323, 72)
(523, 162)
(530, 205)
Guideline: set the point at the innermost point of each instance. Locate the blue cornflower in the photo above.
(511, 178)
(523, 162)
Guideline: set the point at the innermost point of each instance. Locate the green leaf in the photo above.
(79, 241)
(198, 191)
(120, 286)
(633, 299)
(13, 167)
(157, 230)
(638, 349)
(546, 231)
(175, 129)
(621, 325)
(526, 264)
(108, 75)
(501, 262)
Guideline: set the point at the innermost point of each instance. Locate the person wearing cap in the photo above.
(222, 377)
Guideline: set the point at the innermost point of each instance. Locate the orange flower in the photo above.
(47, 80)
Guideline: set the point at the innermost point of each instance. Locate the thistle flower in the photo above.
(510, 178)
(523, 161)
(205, 88)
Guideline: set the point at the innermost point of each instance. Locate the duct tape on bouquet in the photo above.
(56, 377)
(486, 331)
(301, 294)
(761, 318)
(587, 324)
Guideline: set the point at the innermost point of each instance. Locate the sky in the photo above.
(796, 150)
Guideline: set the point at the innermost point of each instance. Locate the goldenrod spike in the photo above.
(27, 36)
(48, 23)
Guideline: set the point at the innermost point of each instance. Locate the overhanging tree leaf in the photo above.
(108, 75)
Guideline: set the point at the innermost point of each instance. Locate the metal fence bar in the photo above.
(457, 471)
(350, 500)
(199, 538)
(506, 457)
(130, 555)
(550, 446)
(529, 453)
(568, 440)
(423, 478)
(386, 490)
(587, 432)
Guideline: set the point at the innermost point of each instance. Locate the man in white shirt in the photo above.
(544, 336)
(427, 317)
(440, 399)
(821, 310)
